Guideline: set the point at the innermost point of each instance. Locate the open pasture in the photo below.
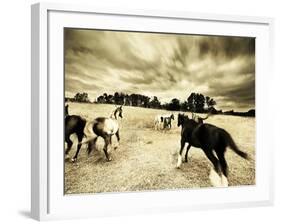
(146, 158)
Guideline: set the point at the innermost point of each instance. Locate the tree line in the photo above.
(195, 102)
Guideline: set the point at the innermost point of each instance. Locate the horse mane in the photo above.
(115, 112)
(186, 120)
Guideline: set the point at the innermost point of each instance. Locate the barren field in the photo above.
(146, 159)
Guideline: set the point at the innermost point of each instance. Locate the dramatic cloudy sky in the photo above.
(163, 65)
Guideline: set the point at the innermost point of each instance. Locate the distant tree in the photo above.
(101, 99)
(174, 104)
(81, 97)
(195, 102)
(69, 99)
(184, 106)
(116, 97)
(110, 99)
(191, 102)
(154, 103)
(251, 113)
(119, 98)
(105, 97)
(210, 102)
(134, 99)
(127, 100)
(145, 101)
(199, 102)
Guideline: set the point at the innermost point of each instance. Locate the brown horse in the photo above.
(74, 124)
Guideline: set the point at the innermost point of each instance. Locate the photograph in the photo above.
(150, 111)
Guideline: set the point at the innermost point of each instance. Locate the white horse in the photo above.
(165, 119)
(104, 127)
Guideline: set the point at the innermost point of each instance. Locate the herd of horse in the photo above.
(104, 127)
(210, 138)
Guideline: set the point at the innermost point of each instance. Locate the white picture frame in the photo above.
(47, 198)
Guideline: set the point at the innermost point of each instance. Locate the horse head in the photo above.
(118, 110)
(181, 119)
(66, 110)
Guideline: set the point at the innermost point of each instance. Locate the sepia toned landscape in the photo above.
(132, 87)
(146, 159)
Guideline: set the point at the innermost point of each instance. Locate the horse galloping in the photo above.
(74, 124)
(211, 139)
(105, 127)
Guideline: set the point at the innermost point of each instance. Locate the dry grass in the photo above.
(146, 159)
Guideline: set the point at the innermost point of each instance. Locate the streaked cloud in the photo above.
(163, 65)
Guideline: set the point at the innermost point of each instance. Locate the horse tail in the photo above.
(88, 132)
(230, 142)
(90, 146)
(208, 115)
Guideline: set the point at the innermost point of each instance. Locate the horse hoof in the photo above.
(179, 161)
(217, 180)
(109, 159)
(224, 181)
(73, 160)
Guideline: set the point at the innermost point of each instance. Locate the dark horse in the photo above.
(105, 127)
(74, 124)
(209, 138)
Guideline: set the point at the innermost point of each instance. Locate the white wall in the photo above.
(15, 109)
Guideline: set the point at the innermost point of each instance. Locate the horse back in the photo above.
(208, 135)
(74, 124)
(108, 126)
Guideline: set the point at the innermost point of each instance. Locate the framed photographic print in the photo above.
(148, 111)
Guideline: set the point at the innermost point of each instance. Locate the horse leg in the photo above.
(69, 144)
(215, 175)
(223, 162)
(91, 145)
(180, 152)
(209, 153)
(80, 137)
(107, 142)
(118, 139)
(224, 167)
(186, 153)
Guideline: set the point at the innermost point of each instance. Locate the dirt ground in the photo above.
(146, 159)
